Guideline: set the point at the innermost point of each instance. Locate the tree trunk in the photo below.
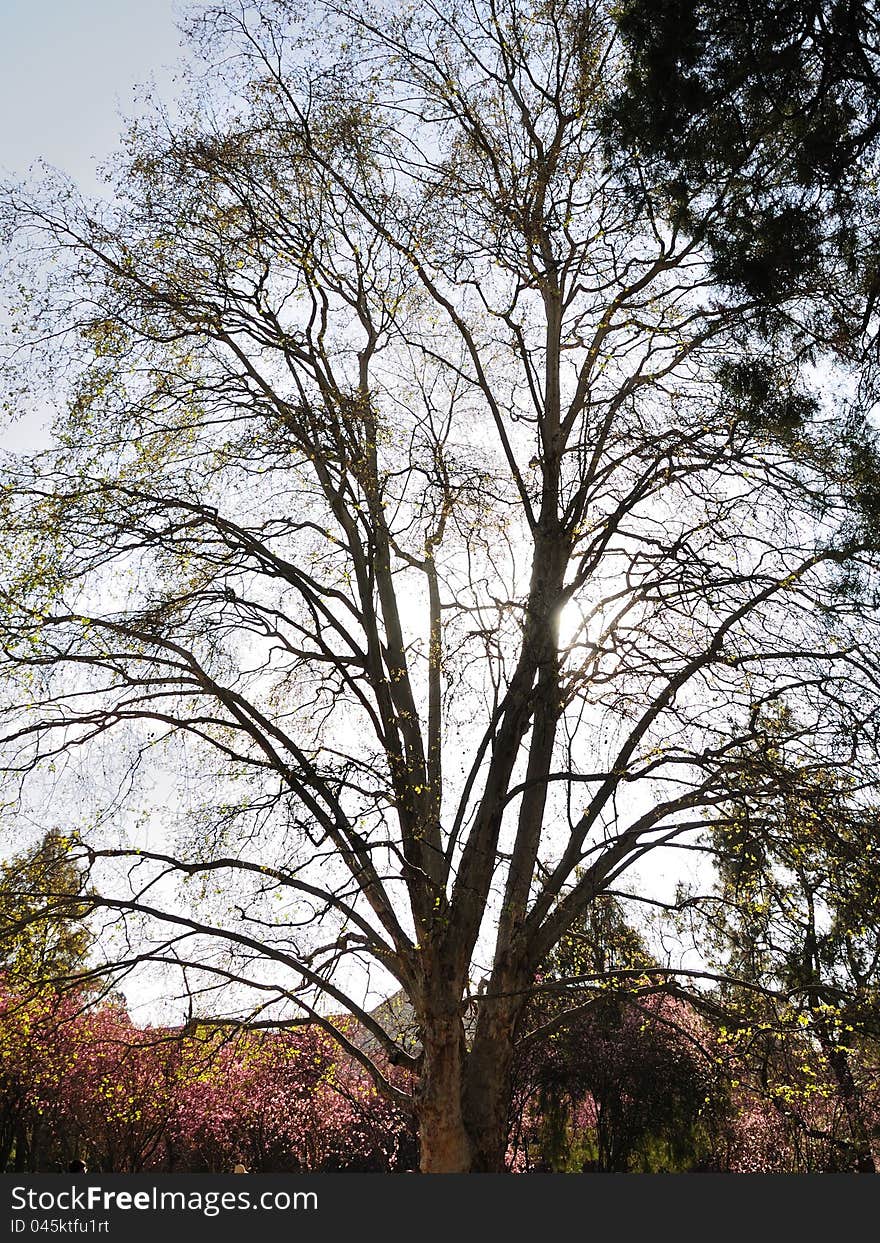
(444, 1144)
(487, 1099)
(465, 1098)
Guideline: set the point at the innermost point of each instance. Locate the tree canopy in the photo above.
(44, 907)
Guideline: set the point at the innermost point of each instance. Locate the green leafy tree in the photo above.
(618, 1073)
(798, 916)
(719, 90)
(44, 908)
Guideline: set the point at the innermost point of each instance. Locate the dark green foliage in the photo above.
(654, 1091)
(755, 396)
(770, 109)
(863, 475)
(626, 1082)
(707, 81)
(767, 252)
(798, 917)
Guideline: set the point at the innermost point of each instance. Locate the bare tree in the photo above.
(426, 504)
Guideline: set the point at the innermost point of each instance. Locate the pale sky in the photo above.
(68, 69)
(69, 73)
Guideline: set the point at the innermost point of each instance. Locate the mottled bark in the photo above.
(445, 1146)
(487, 1098)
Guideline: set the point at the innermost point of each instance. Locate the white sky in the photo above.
(70, 72)
(68, 69)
